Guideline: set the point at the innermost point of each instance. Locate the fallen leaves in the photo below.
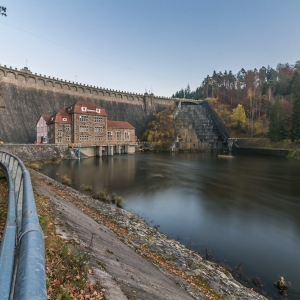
(66, 270)
(3, 204)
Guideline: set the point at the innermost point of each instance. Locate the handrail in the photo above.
(22, 254)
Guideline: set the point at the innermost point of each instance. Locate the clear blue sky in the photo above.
(161, 45)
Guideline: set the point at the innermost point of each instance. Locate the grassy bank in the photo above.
(67, 264)
(293, 149)
(3, 202)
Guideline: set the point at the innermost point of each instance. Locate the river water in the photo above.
(243, 210)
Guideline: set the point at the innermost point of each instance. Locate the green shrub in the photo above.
(86, 188)
(120, 202)
(66, 180)
(114, 197)
(34, 165)
(104, 196)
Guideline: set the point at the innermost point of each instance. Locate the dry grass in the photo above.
(34, 165)
(3, 202)
(67, 264)
(264, 143)
(66, 180)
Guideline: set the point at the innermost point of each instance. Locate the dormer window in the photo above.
(52, 118)
(64, 119)
(98, 110)
(83, 108)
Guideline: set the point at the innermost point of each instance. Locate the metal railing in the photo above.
(22, 254)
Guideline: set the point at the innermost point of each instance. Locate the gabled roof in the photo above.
(83, 107)
(60, 117)
(119, 124)
(45, 117)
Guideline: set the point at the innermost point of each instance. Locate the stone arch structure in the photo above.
(58, 85)
(41, 82)
(12, 75)
(49, 83)
(31, 80)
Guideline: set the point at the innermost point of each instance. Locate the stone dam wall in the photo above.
(39, 152)
(24, 96)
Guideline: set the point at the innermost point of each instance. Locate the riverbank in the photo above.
(264, 146)
(133, 251)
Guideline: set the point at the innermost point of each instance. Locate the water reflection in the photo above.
(244, 209)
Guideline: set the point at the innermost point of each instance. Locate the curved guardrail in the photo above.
(22, 254)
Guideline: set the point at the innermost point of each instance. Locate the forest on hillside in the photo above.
(254, 103)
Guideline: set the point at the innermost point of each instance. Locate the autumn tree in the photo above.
(255, 90)
(295, 133)
(277, 126)
(238, 117)
(161, 131)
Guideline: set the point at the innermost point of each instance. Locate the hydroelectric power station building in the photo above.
(86, 124)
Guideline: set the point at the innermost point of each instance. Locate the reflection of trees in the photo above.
(242, 187)
(253, 186)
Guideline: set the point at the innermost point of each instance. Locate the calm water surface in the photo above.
(244, 210)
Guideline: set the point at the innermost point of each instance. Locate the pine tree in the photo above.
(277, 126)
(295, 134)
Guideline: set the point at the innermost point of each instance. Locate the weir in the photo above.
(198, 127)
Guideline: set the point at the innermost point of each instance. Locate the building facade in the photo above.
(85, 124)
(42, 130)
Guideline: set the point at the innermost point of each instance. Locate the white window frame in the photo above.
(99, 129)
(118, 136)
(99, 138)
(109, 135)
(83, 108)
(83, 128)
(98, 120)
(127, 136)
(84, 118)
(83, 138)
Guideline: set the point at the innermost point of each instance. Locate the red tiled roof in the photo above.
(119, 124)
(58, 117)
(90, 108)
